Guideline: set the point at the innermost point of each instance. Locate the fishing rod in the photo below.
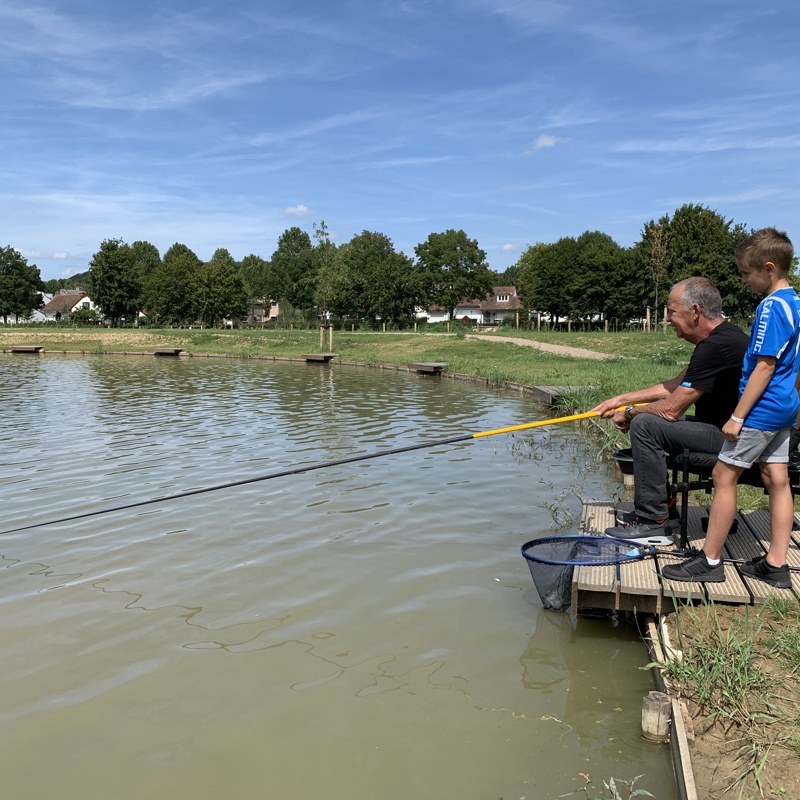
(307, 468)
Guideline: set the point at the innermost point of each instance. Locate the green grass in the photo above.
(743, 676)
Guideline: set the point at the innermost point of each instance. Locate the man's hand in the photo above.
(608, 407)
(621, 422)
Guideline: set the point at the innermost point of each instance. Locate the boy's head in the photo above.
(766, 246)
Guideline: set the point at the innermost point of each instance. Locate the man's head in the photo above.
(763, 257)
(694, 309)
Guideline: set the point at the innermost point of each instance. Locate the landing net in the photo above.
(552, 561)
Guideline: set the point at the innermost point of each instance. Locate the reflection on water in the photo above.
(368, 630)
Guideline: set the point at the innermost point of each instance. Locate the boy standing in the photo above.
(759, 427)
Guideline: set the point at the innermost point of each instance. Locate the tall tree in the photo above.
(292, 271)
(170, 293)
(694, 241)
(20, 284)
(546, 273)
(221, 293)
(254, 272)
(332, 292)
(115, 285)
(453, 268)
(384, 284)
(178, 249)
(223, 256)
(146, 258)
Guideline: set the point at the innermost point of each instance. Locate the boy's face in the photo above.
(757, 281)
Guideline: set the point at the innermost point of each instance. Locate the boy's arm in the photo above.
(756, 384)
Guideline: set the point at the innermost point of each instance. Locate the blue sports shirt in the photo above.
(776, 333)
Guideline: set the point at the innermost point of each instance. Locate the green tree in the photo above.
(254, 272)
(594, 264)
(453, 268)
(179, 249)
(383, 283)
(333, 291)
(546, 273)
(20, 284)
(83, 316)
(223, 256)
(115, 285)
(694, 241)
(171, 290)
(146, 258)
(292, 271)
(221, 293)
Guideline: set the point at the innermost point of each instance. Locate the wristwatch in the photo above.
(627, 412)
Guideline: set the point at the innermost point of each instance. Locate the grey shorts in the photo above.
(770, 447)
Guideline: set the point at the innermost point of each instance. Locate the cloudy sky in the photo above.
(520, 121)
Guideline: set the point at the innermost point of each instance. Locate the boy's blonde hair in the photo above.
(768, 244)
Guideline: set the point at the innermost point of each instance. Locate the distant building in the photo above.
(501, 304)
(63, 304)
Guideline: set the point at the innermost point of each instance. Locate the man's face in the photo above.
(681, 317)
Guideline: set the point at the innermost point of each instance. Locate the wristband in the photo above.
(737, 419)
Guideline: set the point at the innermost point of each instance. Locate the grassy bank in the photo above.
(646, 357)
(638, 359)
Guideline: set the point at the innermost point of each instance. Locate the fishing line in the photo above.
(306, 468)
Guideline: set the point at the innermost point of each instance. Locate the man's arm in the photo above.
(651, 394)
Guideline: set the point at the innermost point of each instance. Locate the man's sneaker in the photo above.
(627, 517)
(695, 569)
(643, 531)
(761, 570)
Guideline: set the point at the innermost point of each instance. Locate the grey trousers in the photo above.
(651, 438)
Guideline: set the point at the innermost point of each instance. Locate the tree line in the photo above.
(590, 277)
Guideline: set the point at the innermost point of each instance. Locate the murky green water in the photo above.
(364, 631)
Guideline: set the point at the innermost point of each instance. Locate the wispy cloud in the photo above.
(544, 141)
(298, 211)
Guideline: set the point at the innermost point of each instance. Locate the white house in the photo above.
(63, 304)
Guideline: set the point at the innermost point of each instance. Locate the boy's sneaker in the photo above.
(695, 569)
(644, 531)
(761, 570)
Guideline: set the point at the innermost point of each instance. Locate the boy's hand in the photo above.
(731, 430)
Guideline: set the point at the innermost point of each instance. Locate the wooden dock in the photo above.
(319, 358)
(638, 587)
(428, 367)
(26, 348)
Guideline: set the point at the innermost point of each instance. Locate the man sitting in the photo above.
(710, 382)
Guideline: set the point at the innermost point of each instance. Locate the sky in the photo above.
(518, 121)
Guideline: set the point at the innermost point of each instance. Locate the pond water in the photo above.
(368, 630)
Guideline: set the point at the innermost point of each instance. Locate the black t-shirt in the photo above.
(715, 368)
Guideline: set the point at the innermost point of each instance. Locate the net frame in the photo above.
(552, 576)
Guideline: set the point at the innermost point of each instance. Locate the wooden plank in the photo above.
(428, 367)
(752, 540)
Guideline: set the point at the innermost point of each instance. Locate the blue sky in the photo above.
(519, 121)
